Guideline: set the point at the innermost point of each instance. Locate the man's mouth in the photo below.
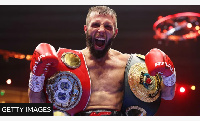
(99, 43)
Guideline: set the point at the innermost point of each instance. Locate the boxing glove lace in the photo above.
(43, 57)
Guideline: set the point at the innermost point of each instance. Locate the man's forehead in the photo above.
(96, 14)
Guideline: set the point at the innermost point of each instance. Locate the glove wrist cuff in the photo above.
(170, 80)
(36, 83)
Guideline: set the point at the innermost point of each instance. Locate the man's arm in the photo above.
(44, 56)
(159, 63)
(167, 92)
(36, 97)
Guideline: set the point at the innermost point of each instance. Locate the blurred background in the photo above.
(22, 28)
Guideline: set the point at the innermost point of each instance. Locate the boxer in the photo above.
(91, 81)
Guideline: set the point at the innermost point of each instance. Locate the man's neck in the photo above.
(87, 53)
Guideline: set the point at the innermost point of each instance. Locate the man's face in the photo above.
(100, 33)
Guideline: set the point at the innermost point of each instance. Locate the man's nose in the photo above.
(101, 29)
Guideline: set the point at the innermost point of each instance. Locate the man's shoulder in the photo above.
(120, 55)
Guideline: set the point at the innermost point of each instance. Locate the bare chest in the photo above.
(107, 77)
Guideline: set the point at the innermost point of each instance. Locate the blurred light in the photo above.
(28, 57)
(2, 92)
(159, 42)
(171, 31)
(21, 56)
(197, 27)
(9, 81)
(165, 31)
(182, 89)
(193, 87)
(16, 56)
(189, 25)
(171, 27)
(199, 31)
(174, 37)
(3, 102)
(7, 54)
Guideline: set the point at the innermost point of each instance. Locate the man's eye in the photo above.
(108, 27)
(95, 25)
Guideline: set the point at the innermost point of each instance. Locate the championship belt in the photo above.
(69, 87)
(142, 91)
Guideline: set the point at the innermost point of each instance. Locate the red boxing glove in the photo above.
(158, 62)
(44, 56)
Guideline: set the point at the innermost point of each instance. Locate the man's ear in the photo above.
(116, 32)
(85, 28)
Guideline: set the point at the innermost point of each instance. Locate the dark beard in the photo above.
(98, 53)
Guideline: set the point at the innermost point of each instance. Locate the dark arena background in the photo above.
(22, 28)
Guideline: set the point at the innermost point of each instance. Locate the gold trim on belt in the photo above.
(145, 87)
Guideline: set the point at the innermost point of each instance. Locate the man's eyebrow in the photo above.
(105, 22)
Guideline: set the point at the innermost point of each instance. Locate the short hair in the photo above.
(103, 10)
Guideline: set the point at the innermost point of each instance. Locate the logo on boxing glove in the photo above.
(167, 65)
(38, 61)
